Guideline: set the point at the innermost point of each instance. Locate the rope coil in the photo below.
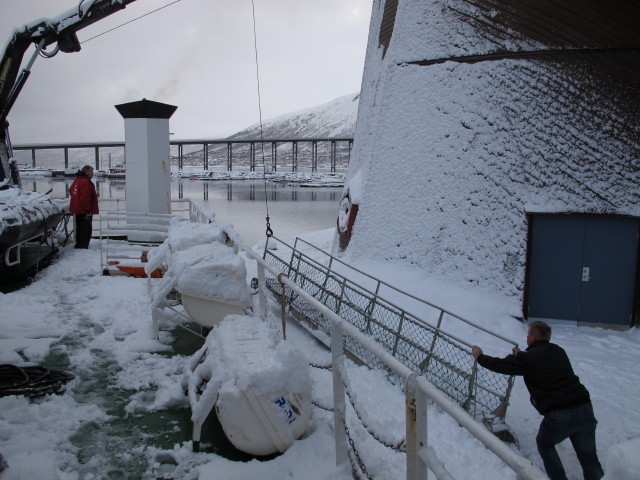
(31, 381)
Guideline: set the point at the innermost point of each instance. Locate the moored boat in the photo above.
(27, 223)
(119, 171)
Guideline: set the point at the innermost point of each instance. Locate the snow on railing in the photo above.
(442, 357)
(418, 390)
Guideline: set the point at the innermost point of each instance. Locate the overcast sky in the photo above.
(195, 54)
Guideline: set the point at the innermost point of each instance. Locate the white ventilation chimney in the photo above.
(148, 170)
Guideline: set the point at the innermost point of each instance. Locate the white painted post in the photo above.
(337, 357)
(421, 430)
(411, 456)
(416, 427)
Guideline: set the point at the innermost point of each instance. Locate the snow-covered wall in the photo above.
(464, 129)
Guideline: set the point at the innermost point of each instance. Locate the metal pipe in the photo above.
(416, 429)
(428, 456)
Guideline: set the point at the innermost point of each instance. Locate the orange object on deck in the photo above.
(139, 271)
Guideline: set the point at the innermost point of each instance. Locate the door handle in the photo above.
(586, 274)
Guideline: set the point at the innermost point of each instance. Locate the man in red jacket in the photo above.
(556, 392)
(84, 204)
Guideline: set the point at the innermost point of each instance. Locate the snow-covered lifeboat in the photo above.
(214, 284)
(258, 382)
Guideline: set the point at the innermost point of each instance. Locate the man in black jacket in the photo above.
(556, 392)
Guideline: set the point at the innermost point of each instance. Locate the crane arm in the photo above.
(62, 31)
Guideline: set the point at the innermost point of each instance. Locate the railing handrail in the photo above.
(407, 294)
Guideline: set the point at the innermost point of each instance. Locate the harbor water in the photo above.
(244, 203)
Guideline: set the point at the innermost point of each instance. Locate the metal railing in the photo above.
(418, 452)
(441, 357)
(420, 456)
(124, 236)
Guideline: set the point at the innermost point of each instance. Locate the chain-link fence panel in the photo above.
(424, 348)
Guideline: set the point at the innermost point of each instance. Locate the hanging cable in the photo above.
(130, 21)
(269, 232)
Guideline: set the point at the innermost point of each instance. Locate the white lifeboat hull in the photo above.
(256, 422)
(209, 312)
(263, 426)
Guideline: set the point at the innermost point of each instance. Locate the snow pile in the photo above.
(35, 435)
(183, 234)
(19, 207)
(622, 460)
(211, 271)
(99, 328)
(200, 263)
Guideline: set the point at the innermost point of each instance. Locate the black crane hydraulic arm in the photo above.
(61, 31)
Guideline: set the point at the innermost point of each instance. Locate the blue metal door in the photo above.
(583, 268)
(555, 266)
(609, 268)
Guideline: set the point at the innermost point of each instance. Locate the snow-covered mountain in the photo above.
(334, 119)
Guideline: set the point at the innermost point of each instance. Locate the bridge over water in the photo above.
(279, 154)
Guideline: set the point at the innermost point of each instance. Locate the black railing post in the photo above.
(274, 156)
(294, 151)
(314, 156)
(252, 156)
(333, 156)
